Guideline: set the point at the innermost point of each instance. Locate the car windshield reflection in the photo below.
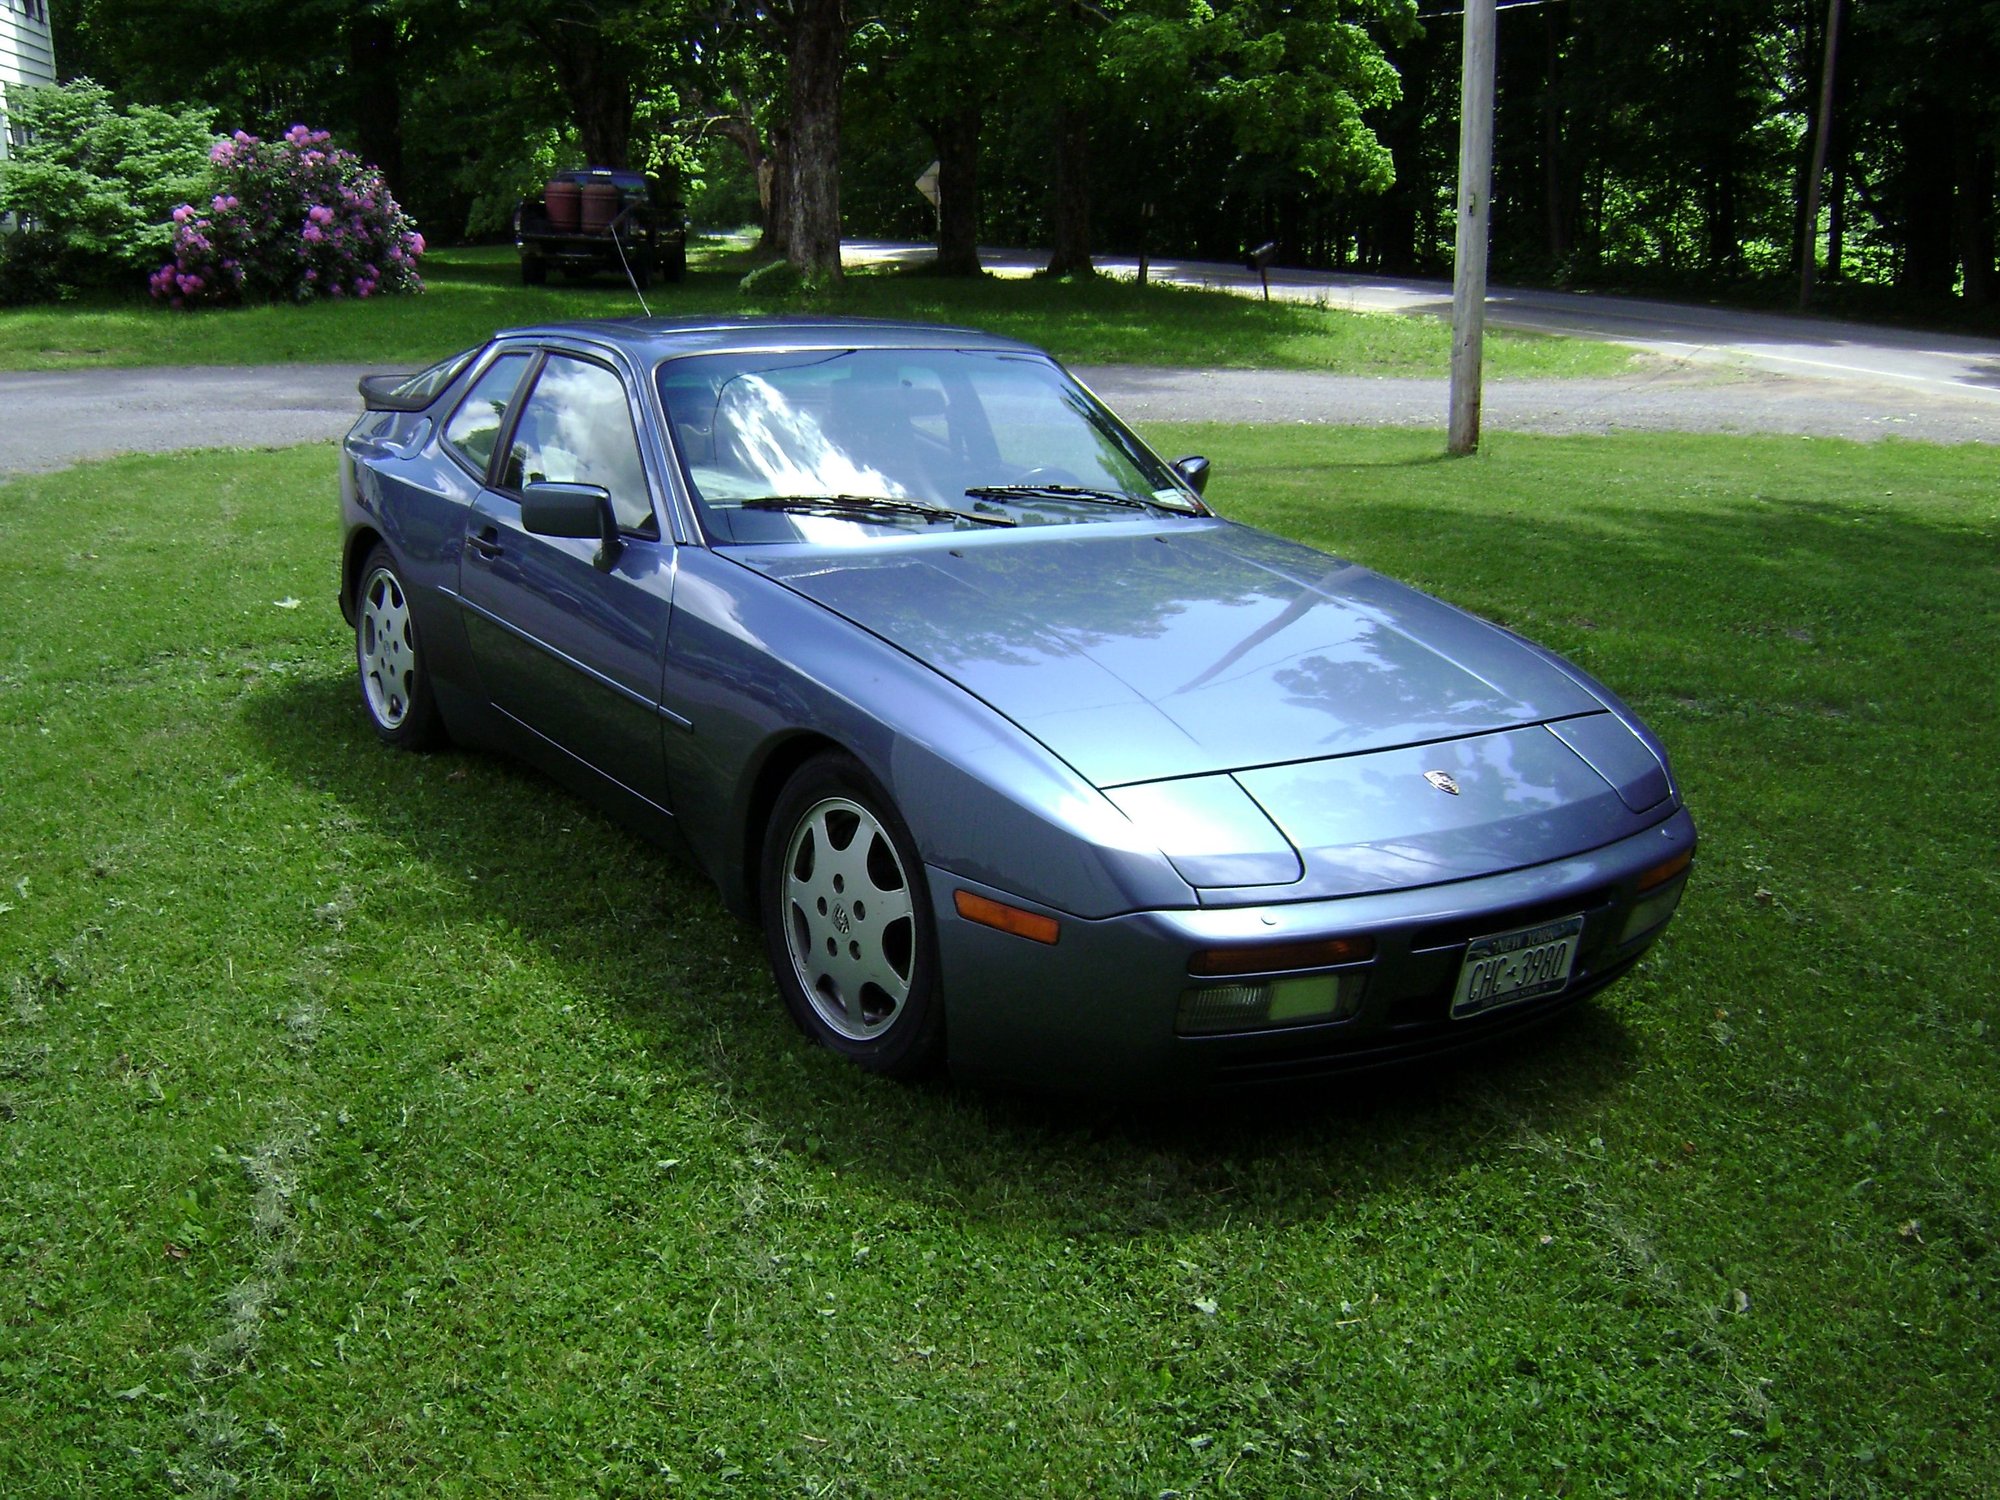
(926, 427)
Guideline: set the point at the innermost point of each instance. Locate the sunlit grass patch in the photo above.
(399, 1124)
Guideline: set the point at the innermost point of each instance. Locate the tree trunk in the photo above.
(378, 94)
(1071, 254)
(818, 59)
(956, 137)
(769, 166)
(1557, 178)
(597, 81)
(1925, 200)
(1972, 210)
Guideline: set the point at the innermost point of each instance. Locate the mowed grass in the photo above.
(472, 292)
(380, 1124)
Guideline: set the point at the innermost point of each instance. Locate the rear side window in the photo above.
(423, 388)
(475, 427)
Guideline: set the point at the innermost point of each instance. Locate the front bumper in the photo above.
(1096, 1012)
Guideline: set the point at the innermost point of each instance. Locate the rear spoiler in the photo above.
(392, 393)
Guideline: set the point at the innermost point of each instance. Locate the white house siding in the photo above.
(27, 52)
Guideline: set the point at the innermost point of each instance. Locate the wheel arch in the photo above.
(779, 765)
(362, 541)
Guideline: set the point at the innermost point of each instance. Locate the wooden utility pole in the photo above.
(1808, 262)
(1475, 183)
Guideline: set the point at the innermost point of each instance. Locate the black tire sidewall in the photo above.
(914, 1043)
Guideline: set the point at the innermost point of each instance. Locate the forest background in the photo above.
(1639, 144)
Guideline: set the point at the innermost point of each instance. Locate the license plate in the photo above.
(1509, 967)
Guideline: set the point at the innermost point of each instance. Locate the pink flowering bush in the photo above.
(290, 220)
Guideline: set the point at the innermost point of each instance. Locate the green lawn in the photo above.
(375, 1124)
(473, 292)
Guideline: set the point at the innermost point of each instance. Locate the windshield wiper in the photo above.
(847, 506)
(1071, 492)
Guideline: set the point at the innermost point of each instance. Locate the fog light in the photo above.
(1652, 912)
(1305, 1001)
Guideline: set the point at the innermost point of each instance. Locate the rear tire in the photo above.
(534, 270)
(847, 921)
(395, 684)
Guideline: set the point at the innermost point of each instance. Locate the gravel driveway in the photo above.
(59, 418)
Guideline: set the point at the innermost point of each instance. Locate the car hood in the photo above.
(1137, 652)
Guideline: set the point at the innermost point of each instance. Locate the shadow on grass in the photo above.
(1751, 625)
(643, 932)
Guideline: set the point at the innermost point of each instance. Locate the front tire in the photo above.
(847, 921)
(395, 684)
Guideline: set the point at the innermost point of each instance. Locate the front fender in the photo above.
(752, 668)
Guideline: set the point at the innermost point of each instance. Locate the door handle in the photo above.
(487, 543)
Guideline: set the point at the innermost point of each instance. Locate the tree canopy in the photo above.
(1635, 142)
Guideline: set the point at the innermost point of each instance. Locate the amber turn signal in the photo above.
(1271, 958)
(1660, 874)
(997, 914)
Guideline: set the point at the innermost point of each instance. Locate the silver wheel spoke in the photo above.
(846, 931)
(386, 652)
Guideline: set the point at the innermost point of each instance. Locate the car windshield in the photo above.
(795, 445)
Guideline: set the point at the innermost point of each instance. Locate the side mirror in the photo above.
(549, 509)
(1194, 469)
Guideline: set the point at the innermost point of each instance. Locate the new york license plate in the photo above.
(1509, 967)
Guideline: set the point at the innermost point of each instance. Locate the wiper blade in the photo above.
(1070, 492)
(870, 505)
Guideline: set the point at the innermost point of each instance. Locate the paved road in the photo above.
(1713, 370)
(56, 419)
(1957, 366)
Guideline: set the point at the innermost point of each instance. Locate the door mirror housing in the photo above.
(1193, 469)
(581, 510)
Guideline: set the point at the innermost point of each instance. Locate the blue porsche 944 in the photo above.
(1027, 762)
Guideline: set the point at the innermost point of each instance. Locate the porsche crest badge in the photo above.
(1442, 781)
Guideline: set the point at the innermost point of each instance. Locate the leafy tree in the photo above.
(95, 185)
(941, 66)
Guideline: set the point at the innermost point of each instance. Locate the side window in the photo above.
(576, 428)
(475, 426)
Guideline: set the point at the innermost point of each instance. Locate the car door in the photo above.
(569, 642)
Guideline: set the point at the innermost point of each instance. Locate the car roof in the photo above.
(663, 338)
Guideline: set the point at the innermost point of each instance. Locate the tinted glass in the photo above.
(475, 426)
(426, 384)
(577, 429)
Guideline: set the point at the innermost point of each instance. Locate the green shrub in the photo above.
(777, 281)
(781, 281)
(96, 184)
(289, 220)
